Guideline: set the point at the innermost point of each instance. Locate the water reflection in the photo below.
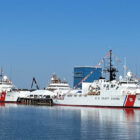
(105, 123)
(109, 123)
(68, 122)
(2, 104)
(130, 114)
(8, 105)
(105, 114)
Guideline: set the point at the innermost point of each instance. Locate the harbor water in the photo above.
(68, 123)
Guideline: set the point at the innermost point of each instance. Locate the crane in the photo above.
(34, 82)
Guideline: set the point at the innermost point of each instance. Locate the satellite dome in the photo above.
(129, 74)
(5, 78)
(52, 78)
(120, 78)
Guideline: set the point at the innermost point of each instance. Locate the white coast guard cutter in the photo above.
(124, 92)
(8, 91)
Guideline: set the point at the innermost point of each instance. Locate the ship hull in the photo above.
(12, 96)
(122, 101)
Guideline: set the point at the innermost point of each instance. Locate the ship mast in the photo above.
(1, 75)
(111, 70)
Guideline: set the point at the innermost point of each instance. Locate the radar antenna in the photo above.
(111, 69)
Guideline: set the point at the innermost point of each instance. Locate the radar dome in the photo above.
(52, 78)
(120, 78)
(5, 78)
(129, 74)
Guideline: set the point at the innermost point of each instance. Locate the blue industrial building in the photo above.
(90, 72)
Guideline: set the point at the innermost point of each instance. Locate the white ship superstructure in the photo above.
(58, 86)
(5, 83)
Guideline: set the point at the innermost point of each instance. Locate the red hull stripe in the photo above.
(2, 96)
(130, 100)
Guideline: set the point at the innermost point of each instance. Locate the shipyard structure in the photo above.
(90, 74)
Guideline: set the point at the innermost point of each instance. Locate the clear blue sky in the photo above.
(39, 37)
